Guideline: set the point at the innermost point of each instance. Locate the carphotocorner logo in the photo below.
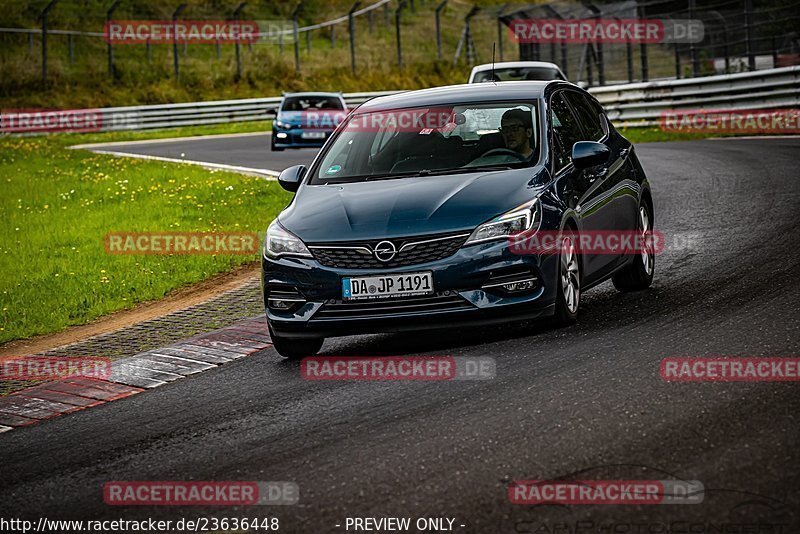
(611, 31)
(50, 120)
(722, 369)
(752, 121)
(596, 492)
(402, 368)
(181, 493)
(53, 368)
(154, 243)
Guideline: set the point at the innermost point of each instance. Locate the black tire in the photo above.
(293, 349)
(566, 312)
(272, 144)
(639, 274)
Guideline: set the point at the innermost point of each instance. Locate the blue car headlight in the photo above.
(523, 218)
(281, 242)
(284, 125)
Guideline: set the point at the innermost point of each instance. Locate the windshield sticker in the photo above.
(333, 169)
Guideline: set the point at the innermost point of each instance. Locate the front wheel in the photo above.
(568, 296)
(639, 274)
(272, 145)
(294, 349)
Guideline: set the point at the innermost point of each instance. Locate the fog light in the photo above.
(522, 285)
(281, 135)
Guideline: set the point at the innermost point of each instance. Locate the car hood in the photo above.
(407, 206)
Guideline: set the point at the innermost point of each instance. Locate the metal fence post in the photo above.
(500, 29)
(296, 35)
(692, 47)
(71, 47)
(748, 28)
(47, 9)
(643, 53)
(351, 29)
(468, 35)
(308, 41)
(438, 13)
(677, 62)
(237, 13)
(597, 49)
(109, 15)
(30, 43)
(175, 59)
(397, 11)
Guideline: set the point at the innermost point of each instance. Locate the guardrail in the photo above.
(629, 105)
(641, 104)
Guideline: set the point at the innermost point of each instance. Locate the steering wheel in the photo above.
(503, 152)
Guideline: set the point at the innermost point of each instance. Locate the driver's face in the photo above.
(515, 135)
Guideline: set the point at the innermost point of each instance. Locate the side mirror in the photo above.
(587, 154)
(290, 178)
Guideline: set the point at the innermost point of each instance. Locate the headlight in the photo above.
(280, 242)
(522, 219)
(284, 125)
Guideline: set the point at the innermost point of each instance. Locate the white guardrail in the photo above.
(631, 105)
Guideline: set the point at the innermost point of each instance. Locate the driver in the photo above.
(516, 127)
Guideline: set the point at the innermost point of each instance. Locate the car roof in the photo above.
(470, 92)
(313, 93)
(514, 65)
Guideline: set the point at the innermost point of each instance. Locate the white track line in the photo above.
(267, 174)
(167, 140)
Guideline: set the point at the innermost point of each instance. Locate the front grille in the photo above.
(410, 251)
(387, 307)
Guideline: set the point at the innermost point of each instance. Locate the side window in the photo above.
(587, 115)
(566, 130)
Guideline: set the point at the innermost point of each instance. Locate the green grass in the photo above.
(58, 205)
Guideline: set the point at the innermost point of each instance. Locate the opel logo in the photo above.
(385, 251)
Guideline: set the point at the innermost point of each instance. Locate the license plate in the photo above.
(313, 135)
(391, 285)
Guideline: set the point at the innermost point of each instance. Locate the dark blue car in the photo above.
(306, 119)
(453, 206)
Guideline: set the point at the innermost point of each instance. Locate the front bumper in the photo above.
(458, 282)
(293, 138)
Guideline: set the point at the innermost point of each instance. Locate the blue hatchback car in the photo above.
(411, 215)
(306, 119)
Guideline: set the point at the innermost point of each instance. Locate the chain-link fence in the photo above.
(63, 43)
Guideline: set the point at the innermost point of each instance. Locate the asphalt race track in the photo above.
(582, 402)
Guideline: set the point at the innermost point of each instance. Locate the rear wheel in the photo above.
(639, 274)
(568, 296)
(293, 349)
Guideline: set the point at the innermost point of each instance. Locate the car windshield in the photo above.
(432, 140)
(310, 103)
(518, 74)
